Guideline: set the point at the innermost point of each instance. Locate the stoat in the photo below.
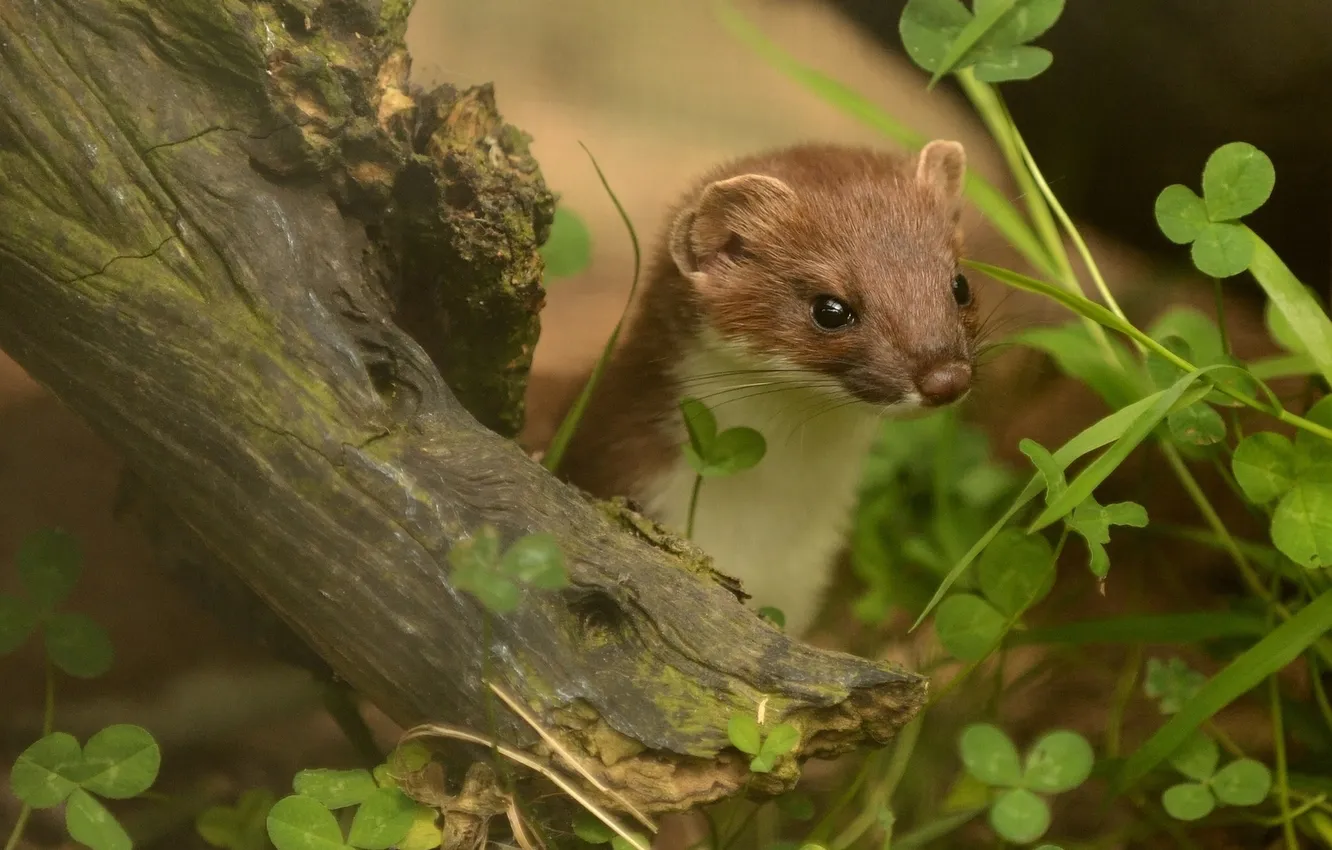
(807, 293)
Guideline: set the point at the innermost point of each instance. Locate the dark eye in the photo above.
(831, 313)
(961, 290)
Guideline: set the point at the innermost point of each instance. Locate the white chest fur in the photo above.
(778, 526)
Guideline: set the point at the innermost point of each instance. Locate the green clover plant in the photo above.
(1016, 571)
(385, 816)
(593, 831)
(1297, 477)
(49, 563)
(496, 578)
(243, 826)
(1171, 683)
(1237, 179)
(568, 249)
(943, 36)
(1058, 762)
(713, 454)
(1089, 519)
(1242, 782)
(116, 763)
(766, 748)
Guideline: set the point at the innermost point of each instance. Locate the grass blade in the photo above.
(1093, 437)
(1299, 308)
(1101, 468)
(560, 442)
(988, 199)
(1190, 627)
(1281, 646)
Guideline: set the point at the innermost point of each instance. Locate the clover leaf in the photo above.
(119, 762)
(747, 736)
(1090, 519)
(990, 755)
(238, 827)
(49, 564)
(385, 815)
(1237, 179)
(1171, 683)
(1019, 816)
(1093, 520)
(383, 819)
(536, 560)
(1047, 466)
(480, 569)
(968, 626)
(299, 822)
(568, 249)
(943, 36)
(1188, 801)
(1015, 572)
(1198, 424)
(712, 453)
(1298, 476)
(335, 789)
(1058, 762)
(1197, 757)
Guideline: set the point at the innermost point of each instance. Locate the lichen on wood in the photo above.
(299, 296)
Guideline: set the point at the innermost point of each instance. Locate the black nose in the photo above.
(944, 383)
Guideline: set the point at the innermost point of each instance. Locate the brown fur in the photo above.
(750, 245)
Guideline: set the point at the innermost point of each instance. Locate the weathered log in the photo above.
(236, 241)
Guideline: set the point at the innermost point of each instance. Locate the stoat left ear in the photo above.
(942, 166)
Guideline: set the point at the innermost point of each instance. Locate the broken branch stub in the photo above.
(238, 243)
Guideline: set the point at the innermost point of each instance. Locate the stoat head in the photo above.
(841, 262)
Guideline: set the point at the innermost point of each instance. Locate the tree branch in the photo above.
(240, 245)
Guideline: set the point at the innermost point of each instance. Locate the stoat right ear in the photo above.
(727, 214)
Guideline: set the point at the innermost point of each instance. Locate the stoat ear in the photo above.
(727, 214)
(942, 165)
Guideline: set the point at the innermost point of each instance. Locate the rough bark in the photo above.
(238, 243)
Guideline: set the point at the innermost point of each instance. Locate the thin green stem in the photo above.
(693, 506)
(1221, 314)
(987, 103)
(1084, 306)
(1282, 777)
(1320, 693)
(19, 826)
(1114, 727)
(48, 726)
(1070, 229)
(884, 789)
(1295, 814)
(1253, 549)
(819, 834)
(734, 834)
(48, 711)
(1227, 743)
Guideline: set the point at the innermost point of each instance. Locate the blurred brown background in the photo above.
(1140, 92)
